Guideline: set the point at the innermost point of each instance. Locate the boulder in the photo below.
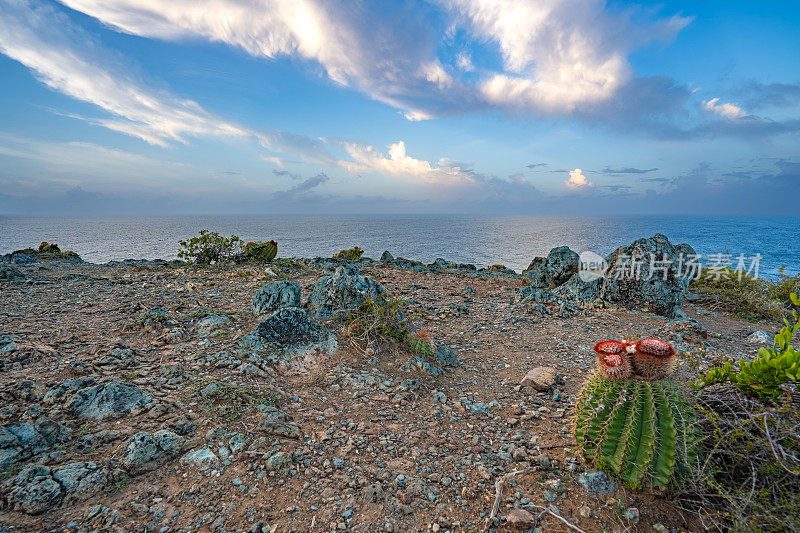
(760, 337)
(386, 257)
(533, 294)
(274, 296)
(343, 291)
(291, 331)
(146, 452)
(81, 480)
(446, 356)
(202, 457)
(562, 263)
(578, 291)
(104, 399)
(34, 490)
(276, 422)
(10, 273)
(646, 275)
(211, 323)
(540, 378)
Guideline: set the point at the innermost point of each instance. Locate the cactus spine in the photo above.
(637, 429)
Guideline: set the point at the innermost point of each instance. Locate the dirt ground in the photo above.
(383, 445)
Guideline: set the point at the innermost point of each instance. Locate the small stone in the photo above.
(759, 337)
(660, 528)
(585, 511)
(597, 482)
(632, 514)
(540, 378)
(520, 520)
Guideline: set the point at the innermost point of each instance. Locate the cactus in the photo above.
(637, 428)
(262, 251)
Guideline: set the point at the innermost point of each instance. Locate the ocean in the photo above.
(479, 239)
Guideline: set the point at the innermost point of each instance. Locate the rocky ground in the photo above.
(135, 397)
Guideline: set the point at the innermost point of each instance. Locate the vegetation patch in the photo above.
(232, 401)
(48, 251)
(745, 296)
(353, 254)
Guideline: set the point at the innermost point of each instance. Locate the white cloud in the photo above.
(367, 158)
(724, 110)
(577, 181)
(559, 56)
(68, 60)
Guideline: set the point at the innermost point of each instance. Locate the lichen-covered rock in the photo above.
(106, 398)
(578, 291)
(21, 440)
(211, 323)
(34, 490)
(274, 296)
(646, 275)
(146, 452)
(292, 332)
(341, 292)
(276, 422)
(81, 480)
(535, 295)
(10, 273)
(562, 263)
(446, 356)
(202, 457)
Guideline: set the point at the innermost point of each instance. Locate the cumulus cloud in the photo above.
(726, 110)
(577, 181)
(397, 162)
(558, 55)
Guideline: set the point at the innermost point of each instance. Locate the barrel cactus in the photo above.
(630, 420)
(261, 251)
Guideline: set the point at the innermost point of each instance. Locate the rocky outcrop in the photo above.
(21, 440)
(274, 296)
(291, 331)
(104, 399)
(211, 323)
(10, 273)
(647, 274)
(341, 292)
(146, 452)
(37, 488)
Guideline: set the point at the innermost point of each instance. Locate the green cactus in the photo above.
(261, 251)
(640, 431)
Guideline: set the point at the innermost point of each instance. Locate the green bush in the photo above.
(738, 293)
(353, 254)
(47, 250)
(764, 375)
(209, 247)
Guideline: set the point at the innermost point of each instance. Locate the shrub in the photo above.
(738, 293)
(353, 254)
(47, 250)
(377, 320)
(209, 247)
(263, 252)
(764, 375)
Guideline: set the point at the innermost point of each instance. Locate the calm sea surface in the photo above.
(482, 240)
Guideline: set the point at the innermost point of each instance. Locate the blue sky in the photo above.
(312, 106)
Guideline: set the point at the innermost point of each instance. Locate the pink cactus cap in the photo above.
(655, 347)
(609, 347)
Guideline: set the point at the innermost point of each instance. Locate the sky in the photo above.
(440, 106)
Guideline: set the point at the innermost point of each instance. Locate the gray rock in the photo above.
(106, 398)
(10, 273)
(274, 296)
(211, 323)
(276, 422)
(203, 458)
(343, 291)
(81, 480)
(278, 461)
(646, 275)
(21, 440)
(688, 255)
(533, 294)
(292, 332)
(439, 265)
(146, 452)
(386, 257)
(578, 291)
(446, 356)
(562, 263)
(597, 482)
(34, 490)
(760, 337)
